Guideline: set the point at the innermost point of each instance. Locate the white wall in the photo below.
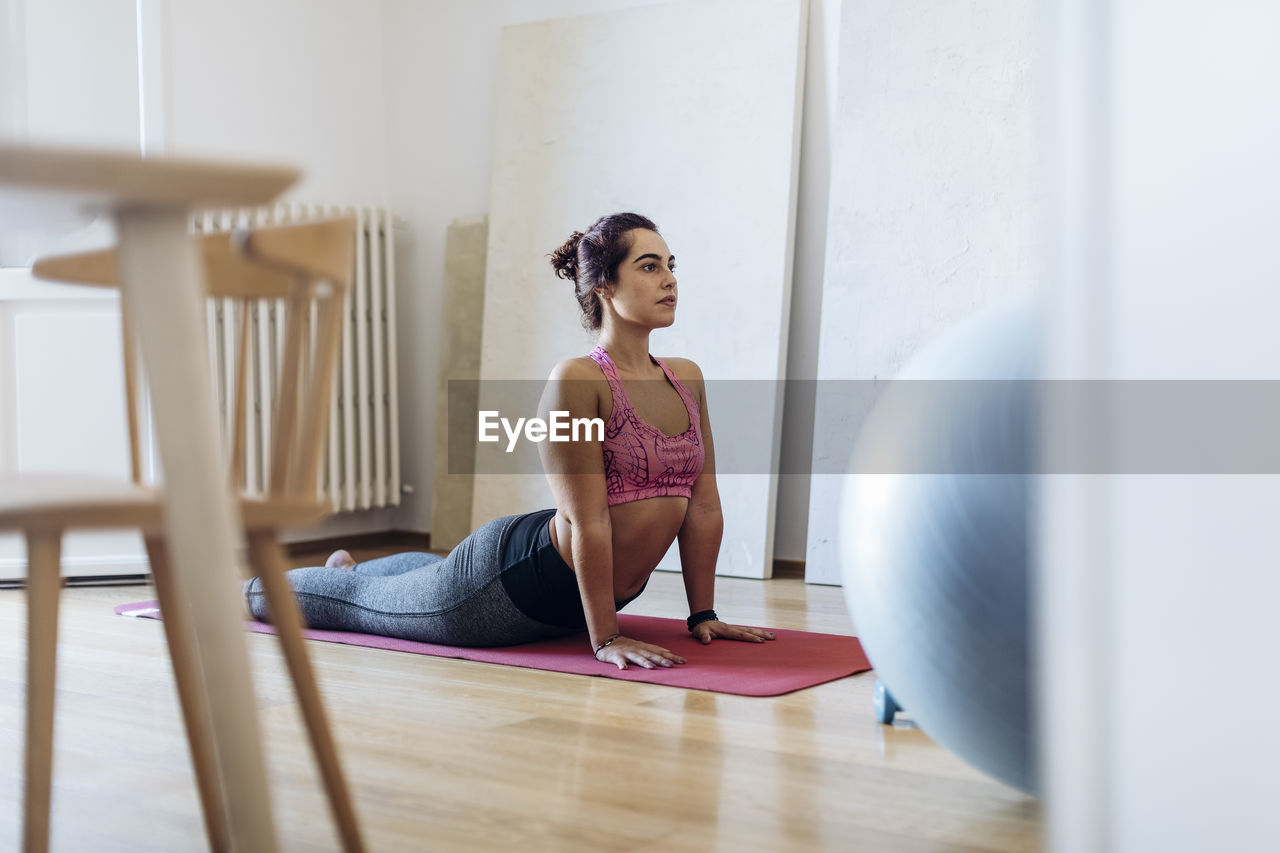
(279, 80)
(79, 72)
(68, 76)
(934, 204)
(13, 70)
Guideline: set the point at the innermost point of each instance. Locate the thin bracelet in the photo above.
(700, 617)
(600, 647)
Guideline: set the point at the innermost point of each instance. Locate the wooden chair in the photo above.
(306, 266)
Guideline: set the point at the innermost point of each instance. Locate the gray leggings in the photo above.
(458, 600)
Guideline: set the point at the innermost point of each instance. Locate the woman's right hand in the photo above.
(625, 650)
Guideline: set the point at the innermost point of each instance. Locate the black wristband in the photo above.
(700, 617)
(605, 644)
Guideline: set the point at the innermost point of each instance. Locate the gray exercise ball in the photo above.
(934, 539)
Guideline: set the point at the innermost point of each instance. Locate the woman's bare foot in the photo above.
(340, 560)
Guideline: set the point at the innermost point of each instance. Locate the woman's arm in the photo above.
(703, 525)
(575, 470)
(701, 532)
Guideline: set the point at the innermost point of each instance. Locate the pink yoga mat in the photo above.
(797, 659)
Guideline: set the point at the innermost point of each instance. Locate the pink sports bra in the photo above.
(640, 460)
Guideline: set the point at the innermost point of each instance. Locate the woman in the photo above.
(620, 502)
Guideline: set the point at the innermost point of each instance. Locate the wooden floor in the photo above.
(455, 755)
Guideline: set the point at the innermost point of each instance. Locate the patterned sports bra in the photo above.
(640, 460)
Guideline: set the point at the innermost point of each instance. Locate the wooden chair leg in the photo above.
(191, 695)
(44, 583)
(267, 560)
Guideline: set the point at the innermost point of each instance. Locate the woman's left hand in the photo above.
(705, 632)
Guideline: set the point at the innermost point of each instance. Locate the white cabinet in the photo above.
(62, 406)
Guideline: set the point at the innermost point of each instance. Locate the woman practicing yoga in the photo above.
(620, 502)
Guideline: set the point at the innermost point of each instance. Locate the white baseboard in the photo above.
(13, 568)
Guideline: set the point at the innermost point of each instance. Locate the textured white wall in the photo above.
(933, 201)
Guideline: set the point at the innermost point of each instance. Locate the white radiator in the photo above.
(361, 469)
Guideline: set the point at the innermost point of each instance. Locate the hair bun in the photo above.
(565, 259)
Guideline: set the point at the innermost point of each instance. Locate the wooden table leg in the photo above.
(162, 292)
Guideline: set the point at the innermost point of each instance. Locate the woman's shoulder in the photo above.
(578, 385)
(683, 367)
(577, 368)
(687, 371)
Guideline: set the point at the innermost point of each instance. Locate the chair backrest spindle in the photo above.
(320, 383)
(239, 418)
(133, 405)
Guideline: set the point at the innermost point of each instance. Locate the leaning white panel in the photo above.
(689, 114)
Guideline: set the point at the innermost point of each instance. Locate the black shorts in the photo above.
(538, 581)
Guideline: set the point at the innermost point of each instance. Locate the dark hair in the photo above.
(591, 260)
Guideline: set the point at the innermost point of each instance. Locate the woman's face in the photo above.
(645, 290)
